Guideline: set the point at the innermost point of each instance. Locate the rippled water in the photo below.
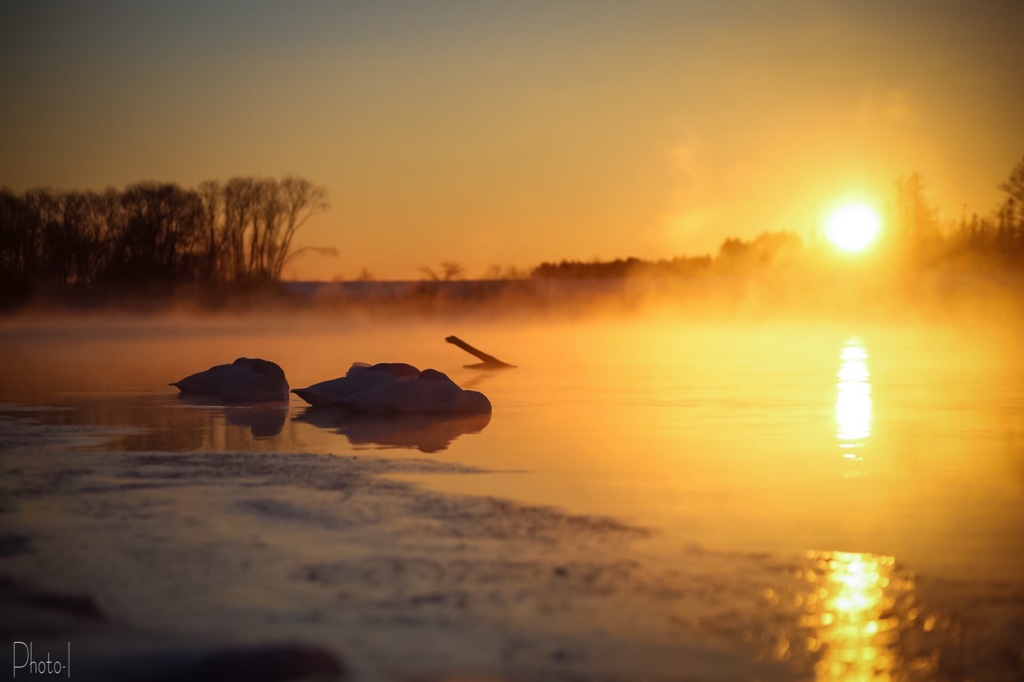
(906, 443)
(863, 455)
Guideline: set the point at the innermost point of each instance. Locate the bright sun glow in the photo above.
(853, 227)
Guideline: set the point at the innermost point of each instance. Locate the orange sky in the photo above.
(511, 133)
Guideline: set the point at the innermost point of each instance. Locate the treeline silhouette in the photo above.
(622, 267)
(915, 239)
(734, 256)
(151, 239)
(151, 236)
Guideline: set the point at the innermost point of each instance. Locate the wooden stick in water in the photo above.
(487, 361)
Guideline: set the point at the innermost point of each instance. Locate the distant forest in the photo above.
(159, 238)
(151, 236)
(915, 239)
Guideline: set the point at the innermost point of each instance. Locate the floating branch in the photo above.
(487, 361)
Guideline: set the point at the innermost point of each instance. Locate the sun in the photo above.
(853, 227)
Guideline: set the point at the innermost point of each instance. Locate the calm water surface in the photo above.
(882, 443)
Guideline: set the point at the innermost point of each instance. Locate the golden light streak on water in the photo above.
(854, 622)
(853, 399)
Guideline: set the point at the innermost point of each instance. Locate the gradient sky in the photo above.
(516, 132)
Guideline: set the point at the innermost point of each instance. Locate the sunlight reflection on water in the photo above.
(712, 434)
(712, 438)
(853, 399)
(853, 616)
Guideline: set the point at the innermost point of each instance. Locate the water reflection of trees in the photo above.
(149, 422)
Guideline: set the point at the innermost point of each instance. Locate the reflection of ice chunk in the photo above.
(263, 421)
(395, 388)
(427, 433)
(246, 380)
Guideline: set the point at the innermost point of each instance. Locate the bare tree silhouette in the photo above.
(446, 272)
(151, 235)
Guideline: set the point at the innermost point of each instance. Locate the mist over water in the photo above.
(764, 412)
(739, 495)
(896, 440)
